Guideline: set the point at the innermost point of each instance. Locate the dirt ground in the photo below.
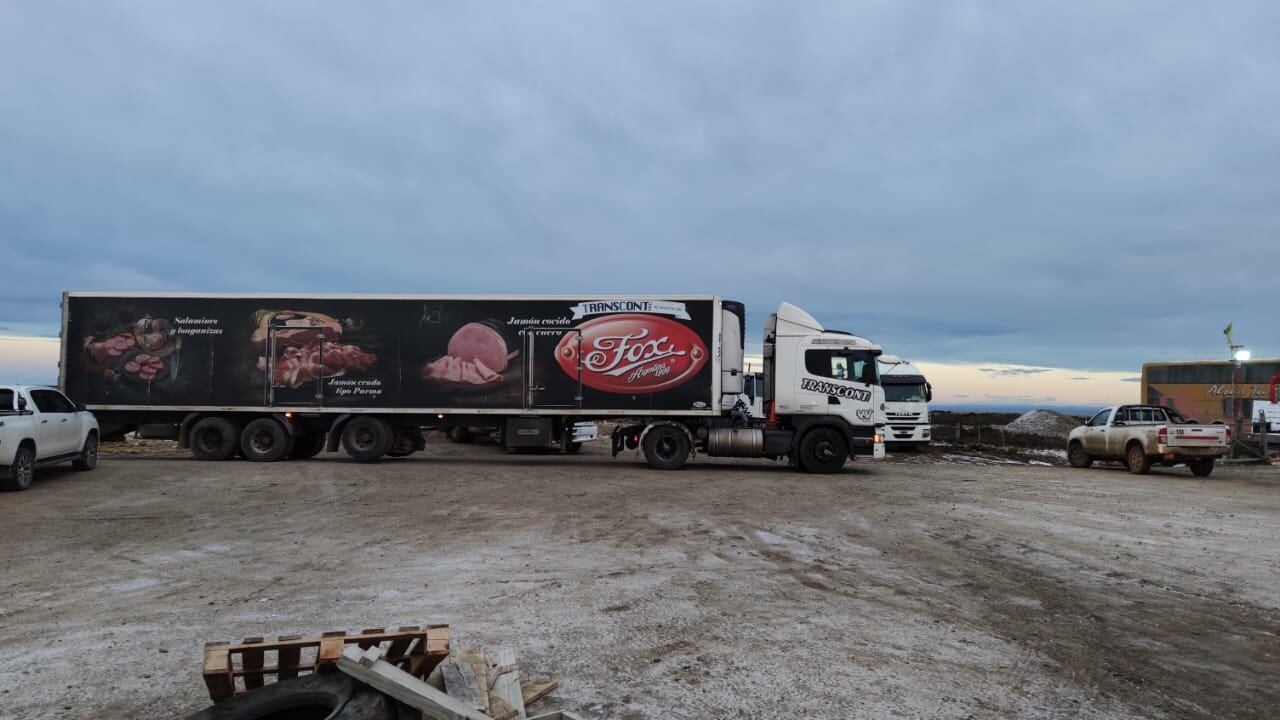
(923, 588)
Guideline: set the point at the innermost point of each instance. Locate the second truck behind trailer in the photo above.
(274, 377)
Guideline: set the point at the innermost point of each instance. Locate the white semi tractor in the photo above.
(906, 403)
(278, 377)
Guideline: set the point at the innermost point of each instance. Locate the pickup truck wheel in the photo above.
(265, 440)
(1078, 457)
(1201, 468)
(18, 476)
(666, 448)
(823, 450)
(214, 438)
(367, 438)
(1139, 462)
(88, 459)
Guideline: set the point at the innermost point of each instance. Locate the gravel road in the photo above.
(726, 590)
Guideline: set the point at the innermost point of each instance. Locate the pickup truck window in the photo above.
(7, 401)
(1100, 418)
(50, 401)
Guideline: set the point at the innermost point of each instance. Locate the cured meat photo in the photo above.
(297, 366)
(293, 328)
(477, 355)
(307, 347)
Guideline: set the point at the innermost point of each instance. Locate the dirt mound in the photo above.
(1043, 422)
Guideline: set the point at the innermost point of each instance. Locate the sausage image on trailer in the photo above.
(272, 377)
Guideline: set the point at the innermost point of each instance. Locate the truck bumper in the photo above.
(907, 434)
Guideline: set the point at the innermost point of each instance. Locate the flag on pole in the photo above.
(1227, 331)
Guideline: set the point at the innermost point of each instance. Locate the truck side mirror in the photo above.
(928, 392)
(80, 407)
(22, 404)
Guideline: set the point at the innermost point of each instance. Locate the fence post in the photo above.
(979, 434)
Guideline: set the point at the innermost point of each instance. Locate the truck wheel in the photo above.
(1139, 462)
(461, 434)
(307, 446)
(403, 444)
(1201, 468)
(333, 696)
(214, 438)
(823, 450)
(18, 476)
(366, 438)
(265, 440)
(1078, 457)
(88, 459)
(666, 448)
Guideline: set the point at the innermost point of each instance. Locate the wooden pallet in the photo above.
(234, 668)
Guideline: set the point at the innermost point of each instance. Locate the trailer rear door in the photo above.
(549, 356)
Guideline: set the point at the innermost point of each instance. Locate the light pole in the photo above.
(1239, 355)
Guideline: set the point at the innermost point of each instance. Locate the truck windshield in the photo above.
(904, 393)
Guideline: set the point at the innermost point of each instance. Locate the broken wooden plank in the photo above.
(534, 690)
(504, 680)
(217, 671)
(369, 668)
(461, 682)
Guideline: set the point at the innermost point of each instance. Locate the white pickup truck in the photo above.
(1140, 435)
(40, 426)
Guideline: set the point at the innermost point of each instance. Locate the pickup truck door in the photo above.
(1095, 434)
(56, 433)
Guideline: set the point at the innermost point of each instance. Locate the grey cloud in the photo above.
(963, 182)
(1013, 372)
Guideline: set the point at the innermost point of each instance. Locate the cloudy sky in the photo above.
(1069, 187)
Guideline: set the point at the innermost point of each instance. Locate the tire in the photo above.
(575, 448)
(1201, 468)
(307, 446)
(88, 459)
(823, 450)
(214, 438)
(265, 440)
(329, 696)
(1137, 459)
(461, 434)
(19, 475)
(1078, 457)
(666, 447)
(367, 438)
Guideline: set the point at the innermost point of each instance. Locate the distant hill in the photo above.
(1016, 409)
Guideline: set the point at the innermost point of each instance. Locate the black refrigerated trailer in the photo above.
(277, 376)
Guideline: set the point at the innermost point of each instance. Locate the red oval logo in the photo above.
(632, 353)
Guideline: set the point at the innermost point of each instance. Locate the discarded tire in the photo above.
(323, 696)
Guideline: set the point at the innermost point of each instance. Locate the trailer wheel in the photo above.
(265, 440)
(1201, 468)
(823, 450)
(666, 448)
(1077, 456)
(1138, 460)
(214, 438)
(307, 446)
(332, 696)
(367, 438)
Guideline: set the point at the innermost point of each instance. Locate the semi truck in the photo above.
(275, 377)
(907, 395)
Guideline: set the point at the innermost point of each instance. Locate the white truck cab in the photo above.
(820, 377)
(40, 426)
(906, 403)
